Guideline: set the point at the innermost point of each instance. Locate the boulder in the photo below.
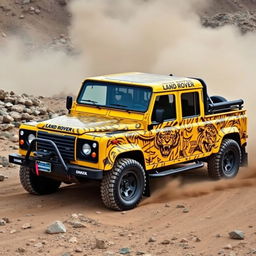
(56, 228)
(7, 119)
(100, 244)
(42, 110)
(15, 138)
(26, 226)
(28, 102)
(5, 134)
(3, 94)
(36, 112)
(17, 108)
(21, 100)
(26, 116)
(2, 222)
(36, 102)
(10, 99)
(27, 110)
(3, 112)
(77, 224)
(15, 115)
(8, 105)
(236, 234)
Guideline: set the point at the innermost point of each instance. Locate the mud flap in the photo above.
(244, 160)
(147, 192)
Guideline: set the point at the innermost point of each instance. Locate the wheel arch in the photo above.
(138, 156)
(228, 133)
(134, 154)
(233, 136)
(236, 137)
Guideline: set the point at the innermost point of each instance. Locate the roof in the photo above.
(157, 82)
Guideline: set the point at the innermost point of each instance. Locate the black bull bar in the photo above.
(60, 166)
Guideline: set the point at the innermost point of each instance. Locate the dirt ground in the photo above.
(212, 210)
(16, 18)
(152, 229)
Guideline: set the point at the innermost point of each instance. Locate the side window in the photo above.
(190, 104)
(167, 103)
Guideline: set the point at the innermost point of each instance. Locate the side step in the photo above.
(176, 170)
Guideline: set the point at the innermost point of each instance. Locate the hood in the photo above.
(85, 124)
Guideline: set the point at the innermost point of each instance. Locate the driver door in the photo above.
(164, 147)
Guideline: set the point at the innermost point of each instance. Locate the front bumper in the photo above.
(59, 168)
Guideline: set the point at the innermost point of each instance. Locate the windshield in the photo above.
(114, 95)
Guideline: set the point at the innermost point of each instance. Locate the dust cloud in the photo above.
(174, 189)
(167, 37)
(160, 36)
(163, 37)
(39, 72)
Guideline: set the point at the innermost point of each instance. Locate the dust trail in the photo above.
(175, 190)
(118, 36)
(40, 72)
(161, 36)
(165, 36)
(111, 36)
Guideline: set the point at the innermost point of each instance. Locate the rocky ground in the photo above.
(16, 109)
(245, 21)
(73, 221)
(241, 14)
(35, 21)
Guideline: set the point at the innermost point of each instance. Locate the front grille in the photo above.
(65, 144)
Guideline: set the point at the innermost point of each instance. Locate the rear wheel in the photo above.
(37, 185)
(122, 187)
(226, 163)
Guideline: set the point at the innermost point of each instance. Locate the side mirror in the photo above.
(159, 115)
(69, 102)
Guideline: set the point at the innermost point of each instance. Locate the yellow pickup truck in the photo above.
(125, 129)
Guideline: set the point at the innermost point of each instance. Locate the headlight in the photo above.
(86, 149)
(31, 137)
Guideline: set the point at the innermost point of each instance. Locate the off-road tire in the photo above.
(37, 185)
(218, 166)
(113, 183)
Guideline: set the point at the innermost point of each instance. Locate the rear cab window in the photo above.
(190, 104)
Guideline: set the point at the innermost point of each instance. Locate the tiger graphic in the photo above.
(207, 138)
(167, 140)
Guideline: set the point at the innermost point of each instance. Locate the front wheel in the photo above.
(37, 185)
(226, 163)
(122, 188)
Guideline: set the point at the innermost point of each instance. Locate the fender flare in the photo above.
(117, 151)
(224, 132)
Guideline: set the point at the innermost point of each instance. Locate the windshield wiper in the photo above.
(91, 101)
(119, 105)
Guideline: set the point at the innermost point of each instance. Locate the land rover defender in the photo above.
(125, 129)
